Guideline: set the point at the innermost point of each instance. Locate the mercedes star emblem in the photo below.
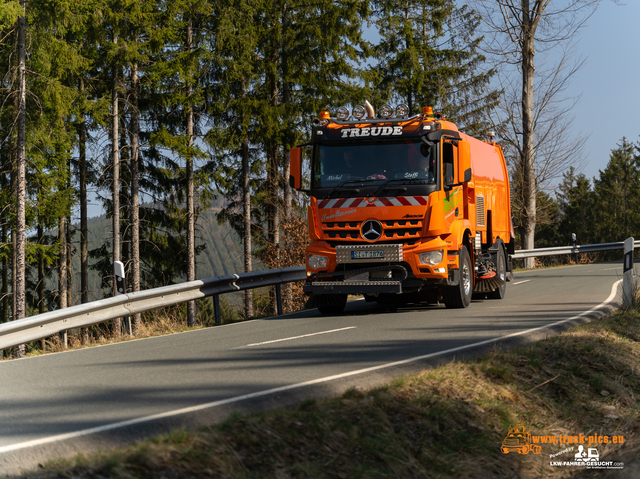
(371, 230)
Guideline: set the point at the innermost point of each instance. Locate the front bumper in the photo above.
(353, 287)
(357, 268)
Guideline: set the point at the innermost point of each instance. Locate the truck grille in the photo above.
(402, 231)
(333, 244)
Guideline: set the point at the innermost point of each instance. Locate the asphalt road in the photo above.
(53, 404)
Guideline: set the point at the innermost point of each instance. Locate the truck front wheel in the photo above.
(332, 303)
(459, 296)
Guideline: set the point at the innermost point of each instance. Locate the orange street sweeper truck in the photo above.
(403, 208)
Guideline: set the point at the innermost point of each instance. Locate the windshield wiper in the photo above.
(348, 182)
(396, 180)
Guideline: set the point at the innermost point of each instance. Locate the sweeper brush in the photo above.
(487, 283)
(312, 302)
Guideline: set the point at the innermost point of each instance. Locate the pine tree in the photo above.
(176, 83)
(428, 55)
(577, 206)
(618, 195)
(231, 107)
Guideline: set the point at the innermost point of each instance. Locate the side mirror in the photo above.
(464, 161)
(295, 172)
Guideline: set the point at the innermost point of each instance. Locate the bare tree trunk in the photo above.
(135, 206)
(191, 223)
(84, 228)
(274, 189)
(115, 153)
(84, 225)
(68, 259)
(528, 160)
(4, 304)
(40, 288)
(407, 46)
(62, 270)
(14, 251)
(19, 294)
(246, 208)
(5, 272)
(62, 262)
(41, 278)
(273, 217)
(286, 100)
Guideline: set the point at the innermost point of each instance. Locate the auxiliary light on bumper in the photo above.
(316, 261)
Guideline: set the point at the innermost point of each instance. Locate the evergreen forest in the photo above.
(178, 116)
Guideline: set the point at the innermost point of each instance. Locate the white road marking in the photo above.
(200, 407)
(609, 269)
(295, 337)
(520, 282)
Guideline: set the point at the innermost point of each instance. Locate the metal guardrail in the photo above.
(47, 324)
(586, 248)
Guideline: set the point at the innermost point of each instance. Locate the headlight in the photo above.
(315, 261)
(431, 257)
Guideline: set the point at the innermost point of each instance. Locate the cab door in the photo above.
(453, 192)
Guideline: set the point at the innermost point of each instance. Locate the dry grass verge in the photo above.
(446, 422)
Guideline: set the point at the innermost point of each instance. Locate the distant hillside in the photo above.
(222, 254)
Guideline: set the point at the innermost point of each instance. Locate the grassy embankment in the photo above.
(445, 422)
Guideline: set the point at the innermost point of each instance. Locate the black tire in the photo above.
(459, 296)
(501, 272)
(331, 304)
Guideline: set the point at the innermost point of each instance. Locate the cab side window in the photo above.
(447, 161)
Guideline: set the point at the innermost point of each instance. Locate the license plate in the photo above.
(367, 254)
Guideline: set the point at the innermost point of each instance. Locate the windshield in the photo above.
(404, 161)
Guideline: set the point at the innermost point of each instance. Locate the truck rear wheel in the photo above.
(332, 303)
(501, 272)
(459, 296)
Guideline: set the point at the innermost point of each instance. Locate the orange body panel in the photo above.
(490, 179)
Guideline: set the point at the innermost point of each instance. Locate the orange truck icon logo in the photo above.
(519, 440)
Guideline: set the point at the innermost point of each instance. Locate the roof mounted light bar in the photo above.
(375, 122)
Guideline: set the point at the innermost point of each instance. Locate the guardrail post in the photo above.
(627, 274)
(121, 285)
(216, 308)
(278, 299)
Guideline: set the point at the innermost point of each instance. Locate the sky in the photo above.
(609, 82)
